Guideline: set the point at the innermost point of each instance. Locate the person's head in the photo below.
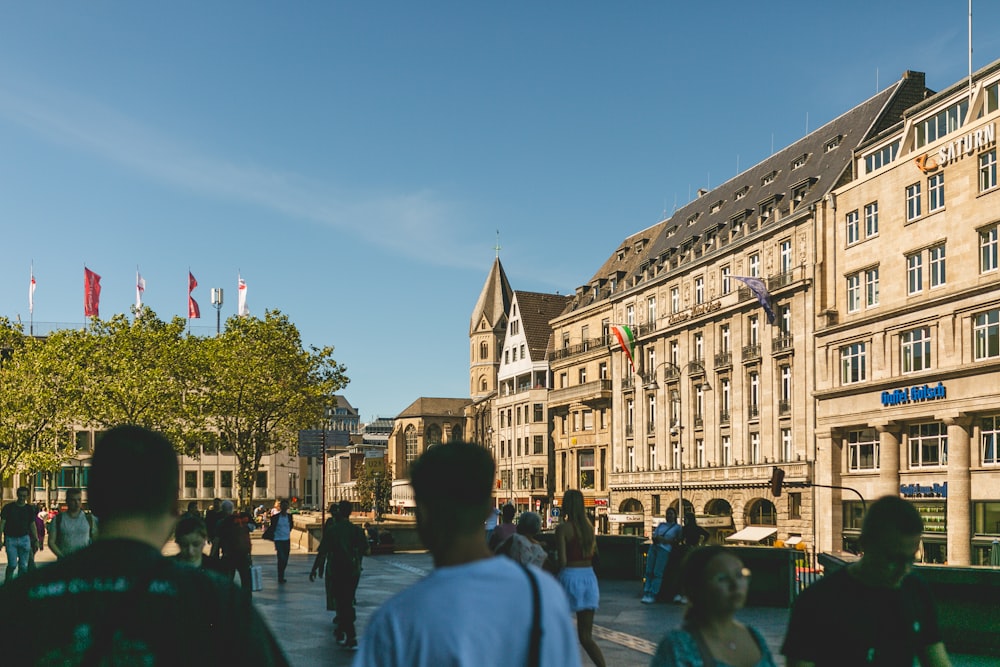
(116, 491)
(671, 515)
(332, 510)
(227, 507)
(529, 524)
(285, 504)
(890, 538)
(689, 519)
(344, 509)
(190, 536)
(22, 494)
(508, 513)
(216, 504)
(193, 507)
(715, 583)
(452, 486)
(74, 500)
(572, 504)
(367, 525)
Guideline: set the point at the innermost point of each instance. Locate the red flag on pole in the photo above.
(91, 293)
(193, 311)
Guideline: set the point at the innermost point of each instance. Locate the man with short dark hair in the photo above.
(232, 541)
(18, 533)
(119, 601)
(73, 529)
(450, 616)
(341, 550)
(875, 611)
(212, 516)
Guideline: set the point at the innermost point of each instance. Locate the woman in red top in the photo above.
(577, 546)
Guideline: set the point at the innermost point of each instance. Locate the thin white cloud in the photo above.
(419, 225)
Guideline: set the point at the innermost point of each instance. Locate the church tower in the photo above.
(487, 330)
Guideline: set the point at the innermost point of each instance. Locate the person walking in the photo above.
(18, 533)
(232, 542)
(506, 527)
(692, 537)
(577, 545)
(281, 529)
(473, 608)
(120, 601)
(716, 584)
(73, 529)
(212, 516)
(665, 536)
(339, 555)
(523, 546)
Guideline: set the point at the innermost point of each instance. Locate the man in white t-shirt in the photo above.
(474, 609)
(73, 529)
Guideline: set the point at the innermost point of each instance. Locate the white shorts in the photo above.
(580, 584)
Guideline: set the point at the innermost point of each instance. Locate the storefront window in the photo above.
(586, 460)
(986, 518)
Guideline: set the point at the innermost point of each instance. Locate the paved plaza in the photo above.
(626, 630)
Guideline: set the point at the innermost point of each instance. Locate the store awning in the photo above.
(752, 534)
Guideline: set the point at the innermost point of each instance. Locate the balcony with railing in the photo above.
(651, 428)
(784, 408)
(699, 421)
(723, 359)
(589, 345)
(723, 416)
(753, 411)
(751, 352)
(629, 430)
(710, 476)
(628, 382)
(780, 280)
(588, 391)
(783, 344)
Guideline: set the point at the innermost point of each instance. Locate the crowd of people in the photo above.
(121, 590)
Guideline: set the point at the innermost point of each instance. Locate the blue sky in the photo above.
(354, 160)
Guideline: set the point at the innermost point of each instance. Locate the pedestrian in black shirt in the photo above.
(19, 534)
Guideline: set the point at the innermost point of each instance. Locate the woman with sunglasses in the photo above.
(715, 583)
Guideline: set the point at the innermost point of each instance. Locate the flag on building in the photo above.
(194, 312)
(759, 290)
(140, 288)
(91, 293)
(627, 340)
(31, 292)
(243, 310)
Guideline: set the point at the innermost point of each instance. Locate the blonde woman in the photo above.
(577, 546)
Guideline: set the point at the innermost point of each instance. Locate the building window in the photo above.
(881, 157)
(699, 347)
(410, 444)
(851, 221)
(630, 315)
(652, 456)
(871, 287)
(988, 170)
(651, 421)
(755, 265)
(871, 219)
(208, 482)
(755, 448)
(913, 201)
(941, 123)
(588, 420)
(226, 479)
(785, 256)
(725, 398)
(675, 300)
(990, 433)
(675, 455)
(754, 393)
(795, 505)
(986, 331)
(699, 290)
(538, 412)
(862, 450)
(727, 450)
(853, 363)
(261, 479)
(586, 462)
(699, 446)
(629, 416)
(484, 350)
(936, 266)
(602, 371)
(914, 273)
(725, 343)
(853, 293)
(988, 249)
(630, 464)
(726, 272)
(786, 444)
(928, 445)
(651, 310)
(190, 480)
(537, 444)
(786, 384)
(754, 330)
(935, 192)
(916, 349)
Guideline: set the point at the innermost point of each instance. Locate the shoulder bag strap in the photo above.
(535, 648)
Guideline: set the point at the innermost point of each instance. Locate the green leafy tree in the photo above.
(373, 483)
(140, 372)
(262, 387)
(36, 385)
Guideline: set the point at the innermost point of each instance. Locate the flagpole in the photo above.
(31, 301)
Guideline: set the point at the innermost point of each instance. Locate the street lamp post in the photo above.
(216, 295)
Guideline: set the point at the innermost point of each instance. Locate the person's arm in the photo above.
(54, 537)
(33, 532)
(934, 655)
(561, 545)
(3, 524)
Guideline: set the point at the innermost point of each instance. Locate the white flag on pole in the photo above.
(242, 310)
(140, 287)
(31, 292)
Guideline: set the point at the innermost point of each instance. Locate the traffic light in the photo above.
(777, 477)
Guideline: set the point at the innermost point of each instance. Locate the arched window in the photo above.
(433, 435)
(484, 350)
(630, 506)
(719, 507)
(482, 384)
(761, 512)
(410, 440)
(456, 433)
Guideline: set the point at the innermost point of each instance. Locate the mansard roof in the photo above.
(535, 310)
(494, 300)
(435, 407)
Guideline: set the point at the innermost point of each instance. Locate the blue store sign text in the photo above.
(924, 491)
(913, 394)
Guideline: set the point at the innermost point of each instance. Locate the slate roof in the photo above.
(535, 310)
(698, 224)
(494, 300)
(435, 407)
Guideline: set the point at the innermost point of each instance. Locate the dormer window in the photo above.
(715, 207)
(693, 218)
(621, 255)
(741, 193)
(769, 178)
(832, 143)
(800, 161)
(672, 230)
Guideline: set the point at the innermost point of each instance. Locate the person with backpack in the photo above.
(341, 550)
(73, 529)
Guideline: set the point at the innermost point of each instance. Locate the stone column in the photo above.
(827, 511)
(889, 457)
(959, 491)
